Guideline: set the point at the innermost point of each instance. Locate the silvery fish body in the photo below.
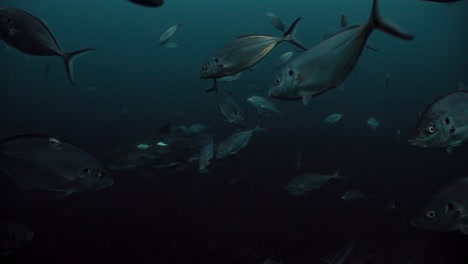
(236, 142)
(31, 36)
(205, 155)
(229, 108)
(333, 118)
(243, 53)
(168, 34)
(444, 122)
(276, 21)
(326, 65)
(447, 210)
(39, 162)
(305, 182)
(263, 105)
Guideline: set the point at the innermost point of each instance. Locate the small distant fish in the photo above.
(263, 105)
(162, 144)
(354, 195)
(38, 162)
(387, 82)
(148, 3)
(303, 183)
(276, 21)
(343, 254)
(444, 122)
(205, 155)
(447, 210)
(243, 53)
(143, 146)
(373, 123)
(231, 78)
(344, 21)
(229, 108)
(46, 70)
(236, 142)
(283, 59)
(326, 65)
(168, 34)
(333, 118)
(13, 235)
(30, 35)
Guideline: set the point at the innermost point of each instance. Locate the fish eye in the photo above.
(447, 121)
(290, 73)
(430, 214)
(278, 81)
(206, 66)
(450, 206)
(430, 129)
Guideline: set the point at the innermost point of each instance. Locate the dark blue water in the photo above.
(187, 217)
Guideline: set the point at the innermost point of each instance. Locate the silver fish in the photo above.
(447, 210)
(13, 235)
(333, 118)
(276, 21)
(243, 53)
(39, 162)
(444, 122)
(205, 155)
(373, 123)
(343, 254)
(354, 195)
(236, 142)
(31, 36)
(229, 108)
(329, 63)
(303, 183)
(283, 59)
(263, 105)
(168, 34)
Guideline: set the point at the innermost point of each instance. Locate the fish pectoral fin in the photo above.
(62, 195)
(306, 98)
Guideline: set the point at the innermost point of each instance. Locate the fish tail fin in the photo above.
(376, 20)
(68, 59)
(257, 124)
(290, 35)
(212, 88)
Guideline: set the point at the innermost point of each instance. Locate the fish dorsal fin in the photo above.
(462, 87)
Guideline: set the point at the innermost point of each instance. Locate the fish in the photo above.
(387, 82)
(30, 35)
(344, 21)
(171, 45)
(230, 78)
(447, 210)
(168, 34)
(13, 235)
(263, 105)
(148, 3)
(229, 108)
(301, 184)
(354, 195)
(41, 162)
(343, 254)
(236, 141)
(243, 53)
(326, 65)
(276, 21)
(444, 121)
(373, 123)
(333, 118)
(283, 59)
(205, 155)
